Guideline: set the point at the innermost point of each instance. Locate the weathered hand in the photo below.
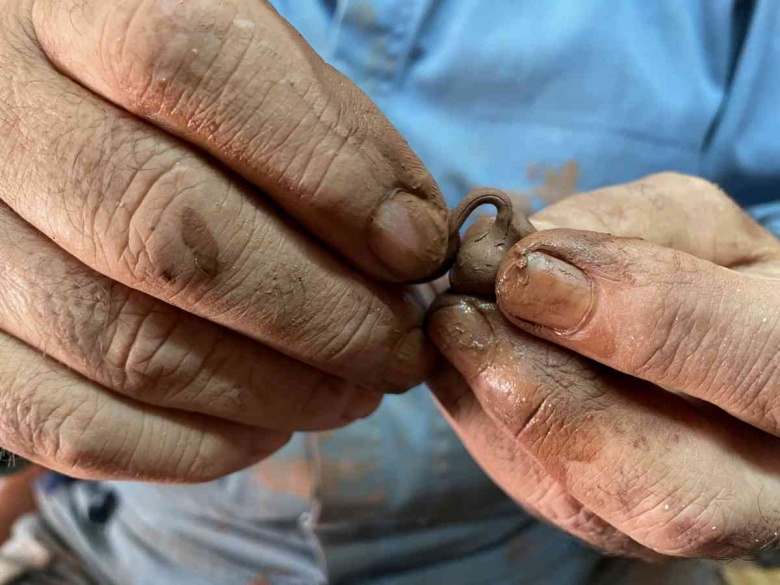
(634, 399)
(196, 216)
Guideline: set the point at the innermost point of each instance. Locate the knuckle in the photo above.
(201, 458)
(153, 51)
(141, 355)
(344, 322)
(748, 383)
(314, 404)
(58, 425)
(223, 71)
(66, 437)
(76, 313)
(660, 352)
(130, 342)
(559, 417)
(693, 521)
(674, 329)
(180, 61)
(311, 157)
(50, 416)
(675, 192)
(24, 409)
(155, 355)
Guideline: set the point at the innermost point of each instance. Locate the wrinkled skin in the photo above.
(628, 390)
(203, 231)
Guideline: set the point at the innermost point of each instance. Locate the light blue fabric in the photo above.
(535, 97)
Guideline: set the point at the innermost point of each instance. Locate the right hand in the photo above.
(196, 216)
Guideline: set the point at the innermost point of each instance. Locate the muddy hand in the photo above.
(202, 231)
(627, 389)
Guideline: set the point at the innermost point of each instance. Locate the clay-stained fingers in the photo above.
(235, 79)
(674, 478)
(155, 353)
(141, 207)
(677, 211)
(652, 312)
(519, 474)
(58, 419)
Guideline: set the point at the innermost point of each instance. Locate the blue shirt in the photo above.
(537, 98)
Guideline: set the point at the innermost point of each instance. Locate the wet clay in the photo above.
(477, 257)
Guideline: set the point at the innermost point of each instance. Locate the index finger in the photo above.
(235, 79)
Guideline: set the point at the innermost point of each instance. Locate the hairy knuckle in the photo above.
(25, 408)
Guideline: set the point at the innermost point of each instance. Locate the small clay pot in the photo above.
(478, 255)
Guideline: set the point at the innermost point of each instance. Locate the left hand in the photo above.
(634, 400)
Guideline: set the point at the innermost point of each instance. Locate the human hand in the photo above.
(193, 250)
(632, 400)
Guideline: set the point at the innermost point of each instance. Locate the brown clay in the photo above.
(478, 256)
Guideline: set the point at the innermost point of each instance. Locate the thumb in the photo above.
(658, 314)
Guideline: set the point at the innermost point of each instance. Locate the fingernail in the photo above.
(362, 404)
(460, 328)
(544, 290)
(409, 236)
